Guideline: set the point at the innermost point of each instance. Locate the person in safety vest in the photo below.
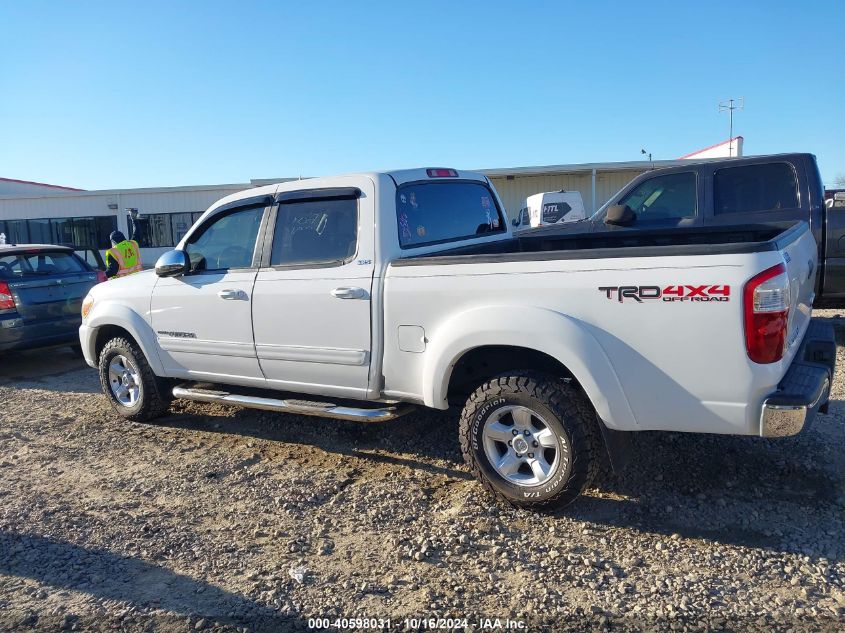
(123, 258)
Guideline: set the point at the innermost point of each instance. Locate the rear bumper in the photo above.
(17, 334)
(805, 389)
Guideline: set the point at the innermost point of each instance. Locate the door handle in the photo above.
(232, 295)
(349, 293)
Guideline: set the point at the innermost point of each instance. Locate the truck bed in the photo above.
(660, 344)
(556, 243)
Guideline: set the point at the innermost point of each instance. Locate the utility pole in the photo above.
(729, 106)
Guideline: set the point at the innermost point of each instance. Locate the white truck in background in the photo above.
(360, 296)
(551, 207)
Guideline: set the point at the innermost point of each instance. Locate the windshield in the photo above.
(431, 213)
(598, 216)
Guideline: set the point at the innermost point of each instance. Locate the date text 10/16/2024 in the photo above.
(416, 624)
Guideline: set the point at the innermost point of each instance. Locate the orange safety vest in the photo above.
(128, 257)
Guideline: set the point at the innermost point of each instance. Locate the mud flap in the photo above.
(618, 446)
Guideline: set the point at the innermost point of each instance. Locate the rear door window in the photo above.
(751, 188)
(315, 232)
(432, 213)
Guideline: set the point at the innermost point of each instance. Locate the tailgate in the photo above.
(51, 297)
(801, 258)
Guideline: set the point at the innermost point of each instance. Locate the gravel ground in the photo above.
(234, 520)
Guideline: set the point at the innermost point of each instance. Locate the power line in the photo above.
(729, 106)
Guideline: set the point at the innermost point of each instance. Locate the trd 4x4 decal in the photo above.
(706, 292)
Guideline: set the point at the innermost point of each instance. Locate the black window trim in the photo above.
(450, 181)
(316, 195)
(796, 180)
(312, 195)
(692, 171)
(254, 202)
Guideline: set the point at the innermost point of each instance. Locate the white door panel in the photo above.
(306, 338)
(203, 320)
(202, 334)
(311, 318)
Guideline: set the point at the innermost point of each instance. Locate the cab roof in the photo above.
(399, 177)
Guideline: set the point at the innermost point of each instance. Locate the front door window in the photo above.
(227, 242)
(668, 197)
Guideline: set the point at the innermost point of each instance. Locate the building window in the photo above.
(90, 232)
(16, 232)
(179, 225)
(163, 230)
(154, 231)
(39, 231)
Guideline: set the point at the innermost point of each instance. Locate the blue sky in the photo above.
(120, 94)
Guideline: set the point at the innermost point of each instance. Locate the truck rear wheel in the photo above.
(130, 385)
(531, 439)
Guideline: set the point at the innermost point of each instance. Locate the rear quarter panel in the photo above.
(652, 364)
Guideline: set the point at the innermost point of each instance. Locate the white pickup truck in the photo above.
(359, 296)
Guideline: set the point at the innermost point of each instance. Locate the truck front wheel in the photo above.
(531, 439)
(130, 385)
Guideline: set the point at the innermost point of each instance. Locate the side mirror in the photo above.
(620, 215)
(515, 221)
(172, 263)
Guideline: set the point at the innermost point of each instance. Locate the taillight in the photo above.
(7, 302)
(101, 276)
(766, 309)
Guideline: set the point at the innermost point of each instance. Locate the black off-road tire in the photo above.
(567, 413)
(155, 396)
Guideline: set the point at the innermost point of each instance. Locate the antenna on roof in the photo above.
(729, 106)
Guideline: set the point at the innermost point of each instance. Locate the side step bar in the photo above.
(300, 407)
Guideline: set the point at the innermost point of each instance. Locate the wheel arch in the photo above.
(557, 341)
(123, 321)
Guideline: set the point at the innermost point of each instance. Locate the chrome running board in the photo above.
(300, 407)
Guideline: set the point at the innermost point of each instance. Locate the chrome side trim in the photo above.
(201, 346)
(333, 356)
(301, 407)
